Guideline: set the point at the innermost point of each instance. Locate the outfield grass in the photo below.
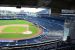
(7, 22)
(9, 29)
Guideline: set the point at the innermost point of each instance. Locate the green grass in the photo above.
(9, 29)
(7, 22)
(14, 29)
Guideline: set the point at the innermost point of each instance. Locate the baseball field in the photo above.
(18, 29)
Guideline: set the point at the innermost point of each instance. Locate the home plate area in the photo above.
(27, 32)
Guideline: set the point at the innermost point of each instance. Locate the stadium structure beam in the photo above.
(43, 3)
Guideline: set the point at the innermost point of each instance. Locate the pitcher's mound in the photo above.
(27, 32)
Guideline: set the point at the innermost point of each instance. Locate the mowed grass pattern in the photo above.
(32, 28)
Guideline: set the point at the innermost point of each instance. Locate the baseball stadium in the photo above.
(30, 30)
(37, 24)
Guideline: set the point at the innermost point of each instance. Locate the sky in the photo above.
(26, 9)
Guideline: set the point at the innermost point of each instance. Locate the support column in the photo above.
(49, 12)
(66, 29)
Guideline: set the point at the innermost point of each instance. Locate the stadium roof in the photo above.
(62, 4)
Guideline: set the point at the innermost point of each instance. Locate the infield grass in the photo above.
(14, 29)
